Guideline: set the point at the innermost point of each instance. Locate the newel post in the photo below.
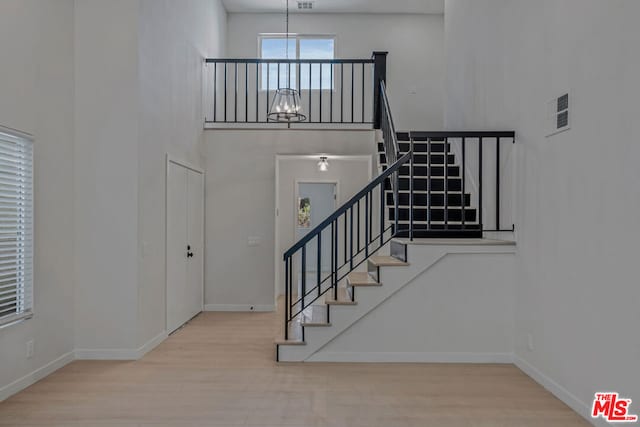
(379, 75)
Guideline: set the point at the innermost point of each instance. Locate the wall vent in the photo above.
(305, 5)
(558, 116)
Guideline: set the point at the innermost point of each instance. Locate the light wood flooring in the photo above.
(219, 370)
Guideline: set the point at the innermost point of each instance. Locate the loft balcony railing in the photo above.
(334, 92)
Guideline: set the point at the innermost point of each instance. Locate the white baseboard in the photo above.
(105, 354)
(411, 357)
(120, 353)
(152, 343)
(239, 307)
(558, 391)
(35, 376)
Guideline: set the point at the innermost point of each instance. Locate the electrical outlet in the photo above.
(530, 342)
(30, 346)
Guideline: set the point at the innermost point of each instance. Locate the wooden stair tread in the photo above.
(290, 342)
(295, 335)
(357, 278)
(316, 324)
(386, 261)
(343, 298)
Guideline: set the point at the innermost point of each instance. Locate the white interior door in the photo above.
(185, 218)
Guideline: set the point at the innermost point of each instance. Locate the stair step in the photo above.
(437, 200)
(404, 136)
(420, 214)
(439, 225)
(398, 250)
(289, 342)
(458, 242)
(437, 184)
(424, 192)
(343, 298)
(436, 171)
(443, 234)
(384, 165)
(315, 315)
(358, 278)
(425, 177)
(386, 261)
(423, 147)
(419, 147)
(423, 184)
(295, 335)
(423, 159)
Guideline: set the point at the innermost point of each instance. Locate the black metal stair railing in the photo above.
(432, 185)
(355, 231)
(454, 186)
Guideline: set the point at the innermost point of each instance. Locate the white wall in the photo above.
(578, 197)
(107, 88)
(135, 74)
(240, 203)
(106, 174)
(139, 97)
(352, 174)
(36, 96)
(415, 44)
(459, 310)
(174, 38)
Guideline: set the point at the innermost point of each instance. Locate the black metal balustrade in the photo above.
(356, 230)
(423, 191)
(332, 91)
(454, 184)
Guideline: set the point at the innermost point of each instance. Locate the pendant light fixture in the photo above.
(286, 106)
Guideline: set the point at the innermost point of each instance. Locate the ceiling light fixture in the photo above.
(286, 106)
(323, 164)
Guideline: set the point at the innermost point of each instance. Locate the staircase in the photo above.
(314, 328)
(426, 189)
(441, 206)
(325, 322)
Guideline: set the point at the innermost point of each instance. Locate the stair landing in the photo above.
(460, 242)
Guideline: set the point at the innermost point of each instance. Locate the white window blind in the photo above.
(16, 226)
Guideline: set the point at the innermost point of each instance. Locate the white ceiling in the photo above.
(339, 6)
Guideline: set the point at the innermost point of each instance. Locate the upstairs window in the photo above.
(16, 226)
(274, 46)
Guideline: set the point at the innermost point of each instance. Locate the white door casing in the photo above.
(195, 235)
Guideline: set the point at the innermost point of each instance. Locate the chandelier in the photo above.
(286, 106)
